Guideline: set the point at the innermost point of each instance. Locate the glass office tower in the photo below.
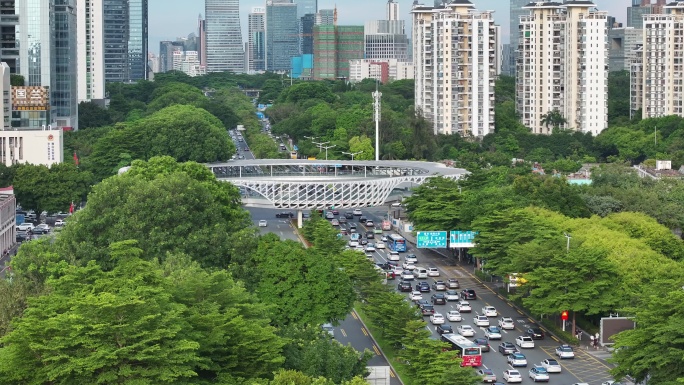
(282, 35)
(224, 49)
(115, 21)
(137, 40)
(64, 96)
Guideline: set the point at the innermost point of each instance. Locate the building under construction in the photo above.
(334, 46)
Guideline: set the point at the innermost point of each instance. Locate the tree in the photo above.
(435, 205)
(165, 206)
(138, 332)
(363, 146)
(16, 80)
(53, 189)
(91, 115)
(7, 174)
(554, 119)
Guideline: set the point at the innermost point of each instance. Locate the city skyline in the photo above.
(170, 19)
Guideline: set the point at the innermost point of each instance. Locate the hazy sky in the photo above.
(174, 18)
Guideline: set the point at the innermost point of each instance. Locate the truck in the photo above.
(386, 225)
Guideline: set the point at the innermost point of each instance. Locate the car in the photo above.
(454, 316)
(427, 310)
(481, 320)
(437, 319)
(493, 333)
(517, 359)
(444, 329)
(353, 243)
(433, 272)
(408, 266)
(363, 242)
(506, 323)
(487, 375)
(370, 235)
(362, 219)
(369, 223)
(22, 236)
(329, 328)
(393, 256)
(538, 373)
(404, 286)
(452, 283)
(263, 223)
(411, 258)
(438, 299)
(535, 332)
(59, 223)
(352, 229)
(423, 287)
(397, 270)
(284, 215)
(525, 342)
(507, 348)
(565, 351)
(335, 222)
(438, 285)
(420, 272)
(370, 248)
(468, 294)
(490, 311)
(407, 275)
(343, 220)
(335, 212)
(415, 296)
(41, 229)
(357, 212)
(512, 375)
(377, 230)
(329, 215)
(349, 215)
(551, 365)
(26, 226)
(352, 226)
(385, 238)
(422, 303)
(452, 295)
(484, 344)
(380, 245)
(464, 307)
(465, 330)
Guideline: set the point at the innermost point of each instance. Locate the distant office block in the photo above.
(256, 27)
(224, 48)
(282, 35)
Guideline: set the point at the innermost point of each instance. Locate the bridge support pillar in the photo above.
(300, 219)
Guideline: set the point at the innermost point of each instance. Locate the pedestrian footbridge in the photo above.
(299, 184)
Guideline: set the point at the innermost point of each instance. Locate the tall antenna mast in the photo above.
(376, 106)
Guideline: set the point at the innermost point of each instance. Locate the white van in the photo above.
(421, 272)
(393, 256)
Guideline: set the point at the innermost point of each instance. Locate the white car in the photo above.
(538, 373)
(263, 223)
(493, 333)
(464, 307)
(433, 272)
(525, 342)
(411, 258)
(396, 204)
(353, 243)
(26, 226)
(416, 296)
(489, 311)
(454, 316)
(393, 256)
(565, 351)
(398, 271)
(407, 275)
(357, 212)
(420, 273)
(409, 266)
(59, 223)
(506, 323)
(517, 359)
(465, 330)
(379, 245)
(437, 319)
(452, 295)
(481, 320)
(370, 247)
(551, 365)
(512, 375)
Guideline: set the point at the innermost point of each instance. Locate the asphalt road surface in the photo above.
(584, 368)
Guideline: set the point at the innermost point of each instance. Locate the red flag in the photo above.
(75, 158)
(71, 208)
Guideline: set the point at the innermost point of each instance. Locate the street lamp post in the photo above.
(568, 236)
(326, 150)
(352, 154)
(376, 109)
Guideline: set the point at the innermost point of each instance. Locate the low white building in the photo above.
(188, 62)
(8, 220)
(383, 70)
(32, 146)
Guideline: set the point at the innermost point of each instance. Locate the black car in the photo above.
(444, 329)
(370, 235)
(468, 294)
(404, 286)
(423, 302)
(285, 215)
(423, 287)
(427, 310)
(352, 226)
(362, 219)
(363, 242)
(22, 236)
(384, 266)
(535, 332)
(349, 215)
(438, 299)
(507, 348)
(484, 344)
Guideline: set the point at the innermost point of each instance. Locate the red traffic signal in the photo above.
(564, 315)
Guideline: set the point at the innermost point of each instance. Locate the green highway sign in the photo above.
(431, 239)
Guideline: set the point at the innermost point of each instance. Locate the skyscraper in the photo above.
(325, 17)
(334, 47)
(64, 53)
(257, 39)
(8, 23)
(223, 36)
(115, 24)
(305, 7)
(455, 54)
(386, 39)
(90, 38)
(392, 10)
(306, 26)
(639, 8)
(202, 40)
(282, 35)
(516, 10)
(137, 39)
(563, 67)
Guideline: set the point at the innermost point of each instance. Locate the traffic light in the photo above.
(564, 315)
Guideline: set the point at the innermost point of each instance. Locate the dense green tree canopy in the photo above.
(53, 189)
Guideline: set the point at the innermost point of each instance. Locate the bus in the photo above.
(469, 351)
(396, 243)
(386, 225)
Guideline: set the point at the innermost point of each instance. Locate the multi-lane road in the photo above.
(584, 368)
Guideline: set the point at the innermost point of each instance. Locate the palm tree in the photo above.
(553, 118)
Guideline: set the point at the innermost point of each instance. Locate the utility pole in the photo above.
(376, 105)
(352, 154)
(326, 150)
(567, 249)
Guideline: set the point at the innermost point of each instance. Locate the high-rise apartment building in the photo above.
(639, 8)
(90, 51)
(282, 34)
(657, 73)
(224, 50)
(562, 66)
(334, 47)
(516, 10)
(256, 27)
(455, 55)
